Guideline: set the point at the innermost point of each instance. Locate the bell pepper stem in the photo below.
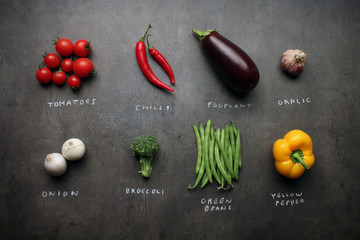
(298, 156)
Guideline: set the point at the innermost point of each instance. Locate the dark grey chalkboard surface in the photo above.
(103, 197)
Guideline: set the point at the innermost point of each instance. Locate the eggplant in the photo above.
(229, 61)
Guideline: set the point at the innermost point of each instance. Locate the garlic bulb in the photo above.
(55, 164)
(73, 149)
(293, 61)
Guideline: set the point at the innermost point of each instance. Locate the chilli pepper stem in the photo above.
(143, 36)
(147, 40)
(298, 156)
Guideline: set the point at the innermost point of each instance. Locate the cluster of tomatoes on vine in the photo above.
(54, 69)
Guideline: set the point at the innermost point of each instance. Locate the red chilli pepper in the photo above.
(161, 60)
(144, 65)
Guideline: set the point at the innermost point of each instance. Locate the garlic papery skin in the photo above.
(293, 61)
(55, 164)
(73, 149)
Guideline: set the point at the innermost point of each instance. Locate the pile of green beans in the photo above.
(218, 155)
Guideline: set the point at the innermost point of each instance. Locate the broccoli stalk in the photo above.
(144, 147)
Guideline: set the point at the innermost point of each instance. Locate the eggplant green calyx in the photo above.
(297, 157)
(203, 34)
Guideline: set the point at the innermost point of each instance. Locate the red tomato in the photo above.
(74, 82)
(43, 75)
(82, 67)
(67, 65)
(59, 77)
(82, 48)
(52, 60)
(64, 47)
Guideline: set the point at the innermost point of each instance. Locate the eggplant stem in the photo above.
(203, 34)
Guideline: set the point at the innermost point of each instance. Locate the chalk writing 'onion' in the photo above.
(45, 194)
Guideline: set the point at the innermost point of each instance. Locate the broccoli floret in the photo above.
(144, 147)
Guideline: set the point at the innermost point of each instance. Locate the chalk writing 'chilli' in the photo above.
(139, 108)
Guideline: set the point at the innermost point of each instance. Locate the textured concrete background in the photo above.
(30, 129)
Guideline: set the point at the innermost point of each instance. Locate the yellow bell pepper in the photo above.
(293, 154)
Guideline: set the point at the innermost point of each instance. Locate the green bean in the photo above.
(204, 182)
(217, 169)
(239, 151)
(227, 146)
(230, 156)
(199, 176)
(234, 128)
(236, 159)
(206, 150)
(237, 148)
(222, 138)
(224, 176)
(222, 183)
(202, 138)
(226, 142)
(232, 140)
(211, 158)
(202, 132)
(226, 159)
(199, 150)
(222, 141)
(217, 156)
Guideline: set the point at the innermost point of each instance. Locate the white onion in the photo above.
(73, 149)
(55, 164)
